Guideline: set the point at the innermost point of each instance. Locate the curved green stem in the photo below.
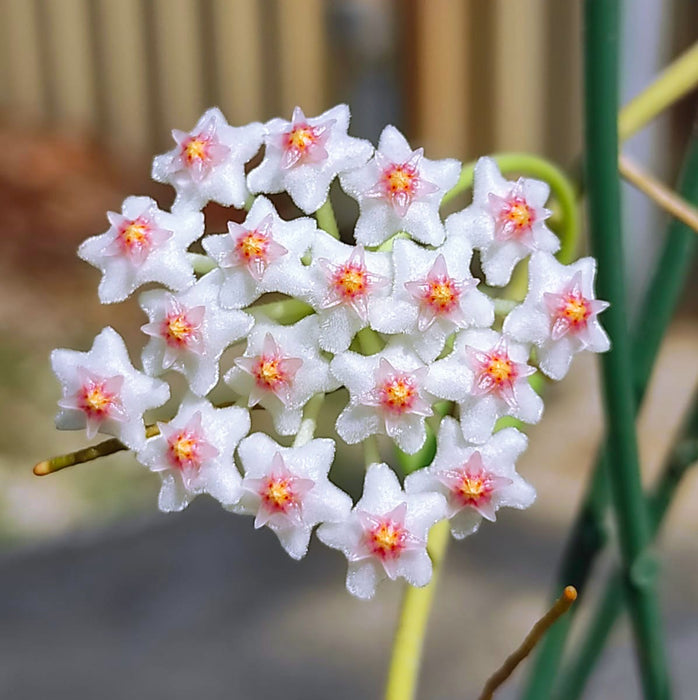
(409, 637)
(561, 188)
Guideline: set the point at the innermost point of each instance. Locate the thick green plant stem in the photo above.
(601, 128)
(406, 659)
(405, 663)
(682, 456)
(588, 534)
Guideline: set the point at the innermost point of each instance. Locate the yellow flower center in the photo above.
(351, 280)
(520, 215)
(500, 369)
(183, 448)
(400, 179)
(576, 309)
(301, 138)
(278, 493)
(441, 294)
(386, 539)
(135, 234)
(195, 150)
(398, 394)
(471, 488)
(96, 400)
(252, 245)
(178, 327)
(269, 372)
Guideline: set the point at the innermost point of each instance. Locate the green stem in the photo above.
(601, 105)
(201, 263)
(326, 219)
(409, 637)
(285, 311)
(561, 188)
(682, 456)
(676, 81)
(371, 451)
(588, 535)
(309, 423)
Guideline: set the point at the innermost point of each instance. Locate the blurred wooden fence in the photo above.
(469, 75)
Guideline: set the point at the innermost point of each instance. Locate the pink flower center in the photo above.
(519, 214)
(441, 295)
(575, 309)
(196, 149)
(278, 495)
(400, 178)
(398, 394)
(514, 216)
(473, 488)
(387, 539)
(184, 449)
(179, 330)
(252, 246)
(269, 374)
(350, 281)
(96, 401)
(304, 143)
(500, 369)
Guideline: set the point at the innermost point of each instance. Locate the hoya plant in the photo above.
(435, 333)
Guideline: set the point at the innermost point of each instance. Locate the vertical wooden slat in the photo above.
(122, 80)
(23, 78)
(238, 57)
(443, 77)
(69, 61)
(563, 103)
(178, 49)
(302, 55)
(520, 77)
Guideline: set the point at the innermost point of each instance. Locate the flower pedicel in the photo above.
(402, 326)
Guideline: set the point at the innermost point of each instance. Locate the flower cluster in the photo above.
(395, 318)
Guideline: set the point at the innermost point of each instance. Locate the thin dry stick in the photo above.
(561, 606)
(658, 192)
(86, 454)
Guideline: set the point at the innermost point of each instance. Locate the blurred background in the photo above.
(103, 596)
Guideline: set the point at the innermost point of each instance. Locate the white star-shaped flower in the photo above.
(194, 453)
(287, 489)
(506, 221)
(143, 244)
(476, 481)
(386, 396)
(208, 163)
(433, 295)
(400, 190)
(190, 331)
(261, 255)
(103, 392)
(303, 156)
(559, 314)
(281, 370)
(386, 533)
(345, 283)
(487, 375)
